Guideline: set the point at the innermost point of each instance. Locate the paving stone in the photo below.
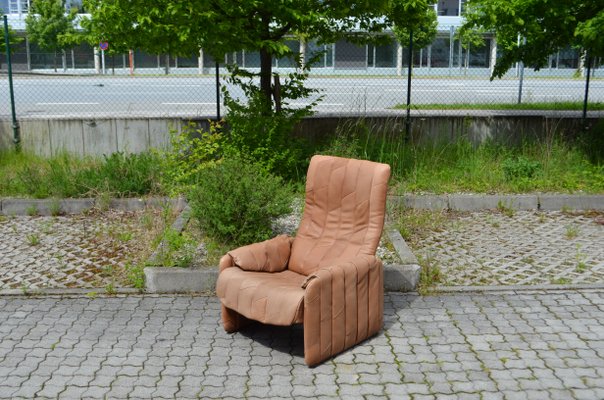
(282, 373)
(530, 248)
(71, 251)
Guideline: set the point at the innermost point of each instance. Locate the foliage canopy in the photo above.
(49, 26)
(223, 26)
(548, 26)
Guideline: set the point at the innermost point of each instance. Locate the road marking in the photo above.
(68, 104)
(189, 104)
(319, 104)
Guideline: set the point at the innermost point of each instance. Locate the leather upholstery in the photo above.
(343, 305)
(333, 283)
(269, 256)
(271, 298)
(343, 213)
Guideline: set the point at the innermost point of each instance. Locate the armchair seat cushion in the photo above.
(270, 298)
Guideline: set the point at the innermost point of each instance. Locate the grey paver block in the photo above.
(180, 280)
(401, 278)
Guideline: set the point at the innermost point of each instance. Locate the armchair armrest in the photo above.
(343, 305)
(269, 256)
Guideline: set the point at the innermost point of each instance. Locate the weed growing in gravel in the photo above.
(136, 275)
(55, 207)
(33, 239)
(176, 249)
(46, 227)
(561, 281)
(580, 259)
(571, 232)
(110, 288)
(414, 224)
(505, 209)
(430, 274)
(32, 210)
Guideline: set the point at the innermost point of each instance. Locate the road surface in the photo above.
(63, 96)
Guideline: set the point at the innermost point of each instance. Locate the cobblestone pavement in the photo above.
(526, 345)
(82, 251)
(527, 248)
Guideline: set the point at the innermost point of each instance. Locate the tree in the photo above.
(15, 41)
(422, 22)
(548, 26)
(50, 26)
(469, 38)
(224, 26)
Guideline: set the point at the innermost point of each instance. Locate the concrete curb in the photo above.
(180, 280)
(48, 207)
(521, 202)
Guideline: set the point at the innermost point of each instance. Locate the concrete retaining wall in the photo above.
(48, 137)
(97, 136)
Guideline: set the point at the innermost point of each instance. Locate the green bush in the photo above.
(264, 133)
(519, 167)
(191, 150)
(236, 200)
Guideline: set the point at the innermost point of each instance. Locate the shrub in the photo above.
(263, 133)
(191, 151)
(519, 168)
(236, 200)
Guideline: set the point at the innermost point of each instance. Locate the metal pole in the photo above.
(217, 91)
(16, 135)
(589, 60)
(521, 78)
(408, 121)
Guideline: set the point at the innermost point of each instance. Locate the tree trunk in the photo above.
(266, 71)
(55, 61)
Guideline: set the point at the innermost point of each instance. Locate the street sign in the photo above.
(104, 45)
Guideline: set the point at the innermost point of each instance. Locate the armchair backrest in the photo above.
(344, 212)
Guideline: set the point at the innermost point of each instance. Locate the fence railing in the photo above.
(349, 78)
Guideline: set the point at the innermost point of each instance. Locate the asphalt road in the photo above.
(191, 95)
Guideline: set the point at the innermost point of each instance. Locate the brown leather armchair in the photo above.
(327, 277)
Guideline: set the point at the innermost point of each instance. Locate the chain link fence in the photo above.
(87, 82)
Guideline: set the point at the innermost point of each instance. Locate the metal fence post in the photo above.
(589, 61)
(410, 59)
(16, 135)
(217, 91)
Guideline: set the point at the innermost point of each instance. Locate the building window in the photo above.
(18, 6)
(350, 56)
(440, 53)
(450, 8)
(382, 56)
(323, 54)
